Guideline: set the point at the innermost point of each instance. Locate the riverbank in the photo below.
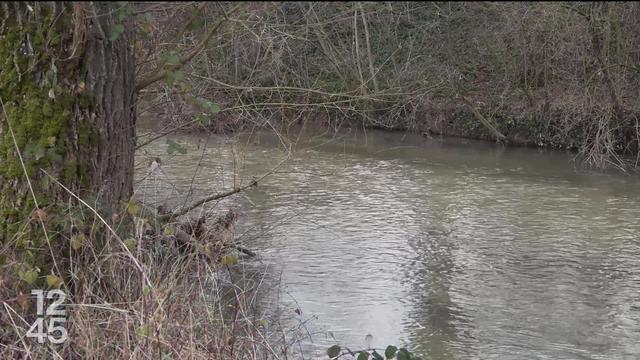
(550, 125)
(557, 74)
(142, 287)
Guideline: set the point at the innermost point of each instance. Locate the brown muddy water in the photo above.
(455, 249)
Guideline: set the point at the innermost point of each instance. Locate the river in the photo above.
(456, 249)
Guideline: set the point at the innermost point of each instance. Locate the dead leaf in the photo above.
(54, 281)
(133, 209)
(23, 301)
(40, 214)
(77, 241)
(80, 88)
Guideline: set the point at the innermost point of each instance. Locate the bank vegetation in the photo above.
(563, 75)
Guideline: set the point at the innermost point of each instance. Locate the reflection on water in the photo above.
(457, 249)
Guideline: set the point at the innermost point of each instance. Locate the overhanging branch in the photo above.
(219, 196)
(162, 70)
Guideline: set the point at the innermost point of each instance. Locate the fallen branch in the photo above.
(206, 200)
(245, 251)
(498, 135)
(219, 196)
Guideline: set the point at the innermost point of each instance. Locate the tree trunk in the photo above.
(67, 88)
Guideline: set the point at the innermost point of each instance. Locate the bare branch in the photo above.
(162, 71)
(219, 196)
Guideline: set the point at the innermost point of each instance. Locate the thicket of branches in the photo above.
(558, 74)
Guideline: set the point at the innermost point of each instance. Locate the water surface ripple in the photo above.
(457, 250)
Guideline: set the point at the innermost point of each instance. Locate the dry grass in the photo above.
(147, 301)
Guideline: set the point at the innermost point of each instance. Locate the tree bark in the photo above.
(67, 87)
(109, 74)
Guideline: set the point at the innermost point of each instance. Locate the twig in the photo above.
(245, 251)
(15, 327)
(498, 135)
(162, 70)
(369, 56)
(219, 195)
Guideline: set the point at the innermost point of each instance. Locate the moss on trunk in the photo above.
(67, 90)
